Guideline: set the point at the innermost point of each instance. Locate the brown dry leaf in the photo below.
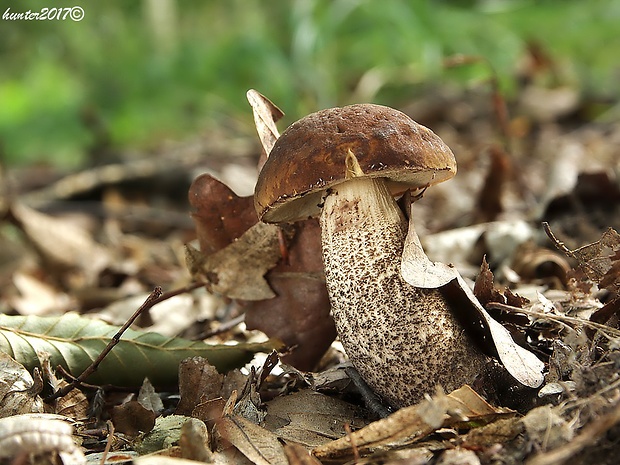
(257, 444)
(310, 418)
(414, 423)
(484, 290)
(419, 271)
(498, 432)
(60, 243)
(299, 314)
(132, 418)
(220, 216)
(266, 114)
(601, 260)
(237, 271)
(199, 381)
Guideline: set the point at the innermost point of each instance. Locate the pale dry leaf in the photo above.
(256, 443)
(194, 441)
(36, 297)
(19, 394)
(419, 271)
(148, 398)
(458, 456)
(237, 271)
(265, 116)
(407, 424)
(59, 242)
(37, 434)
(547, 428)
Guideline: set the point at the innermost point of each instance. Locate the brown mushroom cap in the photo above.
(309, 158)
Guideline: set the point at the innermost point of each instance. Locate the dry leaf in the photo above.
(299, 314)
(220, 216)
(419, 271)
(132, 418)
(297, 455)
(148, 398)
(60, 243)
(237, 271)
(601, 260)
(199, 381)
(310, 418)
(194, 441)
(265, 116)
(257, 444)
(410, 423)
(19, 393)
(165, 434)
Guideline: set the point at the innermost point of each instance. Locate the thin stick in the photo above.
(607, 331)
(108, 444)
(151, 300)
(562, 247)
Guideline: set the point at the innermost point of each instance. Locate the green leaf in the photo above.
(74, 342)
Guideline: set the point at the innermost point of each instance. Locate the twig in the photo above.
(108, 444)
(153, 298)
(607, 331)
(562, 247)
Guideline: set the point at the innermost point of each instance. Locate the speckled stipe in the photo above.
(403, 341)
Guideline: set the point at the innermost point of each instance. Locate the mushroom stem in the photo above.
(404, 341)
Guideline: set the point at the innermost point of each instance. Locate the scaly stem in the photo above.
(403, 341)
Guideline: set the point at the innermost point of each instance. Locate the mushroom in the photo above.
(345, 165)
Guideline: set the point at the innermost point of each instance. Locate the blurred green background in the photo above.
(140, 72)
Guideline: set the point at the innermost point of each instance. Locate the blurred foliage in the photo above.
(137, 72)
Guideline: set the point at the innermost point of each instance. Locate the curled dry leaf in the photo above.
(266, 114)
(38, 434)
(419, 271)
(310, 418)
